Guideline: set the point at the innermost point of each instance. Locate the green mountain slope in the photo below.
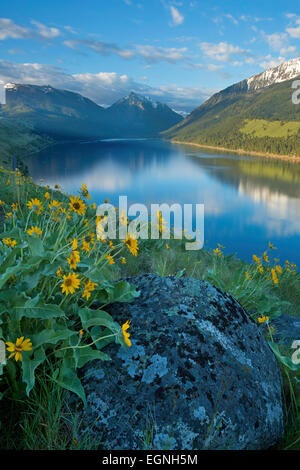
(17, 141)
(262, 120)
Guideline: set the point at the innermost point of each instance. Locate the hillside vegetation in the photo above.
(14, 139)
(255, 121)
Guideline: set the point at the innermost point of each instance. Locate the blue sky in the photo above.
(178, 52)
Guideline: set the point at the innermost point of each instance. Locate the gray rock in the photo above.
(199, 374)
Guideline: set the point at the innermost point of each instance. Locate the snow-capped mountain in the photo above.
(261, 101)
(285, 71)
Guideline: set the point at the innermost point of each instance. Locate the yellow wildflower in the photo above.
(35, 230)
(86, 246)
(9, 242)
(16, 349)
(274, 276)
(70, 283)
(131, 244)
(35, 205)
(74, 244)
(272, 246)
(217, 252)
(265, 257)
(88, 288)
(59, 272)
(85, 191)
(74, 259)
(110, 259)
(278, 269)
(14, 206)
(47, 196)
(77, 205)
(123, 260)
(126, 335)
(256, 259)
(263, 319)
(54, 204)
(260, 268)
(8, 214)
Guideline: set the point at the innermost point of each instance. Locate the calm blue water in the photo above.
(248, 201)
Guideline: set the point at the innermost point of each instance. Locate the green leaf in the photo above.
(286, 361)
(12, 271)
(36, 246)
(122, 291)
(52, 336)
(84, 355)
(29, 366)
(97, 332)
(91, 317)
(69, 380)
(34, 308)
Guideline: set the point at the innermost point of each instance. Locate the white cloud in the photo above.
(100, 47)
(177, 17)
(154, 54)
(44, 31)
(222, 51)
(276, 40)
(10, 30)
(295, 32)
(104, 87)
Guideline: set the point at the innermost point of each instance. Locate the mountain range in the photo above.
(64, 115)
(256, 114)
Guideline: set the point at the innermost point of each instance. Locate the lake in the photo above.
(249, 201)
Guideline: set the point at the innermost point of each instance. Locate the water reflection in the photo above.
(248, 200)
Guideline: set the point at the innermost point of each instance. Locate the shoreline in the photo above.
(295, 159)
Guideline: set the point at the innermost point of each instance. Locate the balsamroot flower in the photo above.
(16, 349)
(77, 205)
(35, 230)
(35, 205)
(131, 244)
(126, 335)
(70, 283)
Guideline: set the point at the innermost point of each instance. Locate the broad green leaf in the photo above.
(29, 366)
(35, 308)
(105, 334)
(91, 317)
(51, 336)
(36, 246)
(88, 354)
(123, 291)
(69, 380)
(12, 271)
(286, 361)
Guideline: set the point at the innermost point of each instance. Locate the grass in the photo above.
(263, 128)
(43, 420)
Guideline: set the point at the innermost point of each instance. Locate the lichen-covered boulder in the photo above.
(199, 374)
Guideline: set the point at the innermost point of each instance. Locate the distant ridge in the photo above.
(63, 114)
